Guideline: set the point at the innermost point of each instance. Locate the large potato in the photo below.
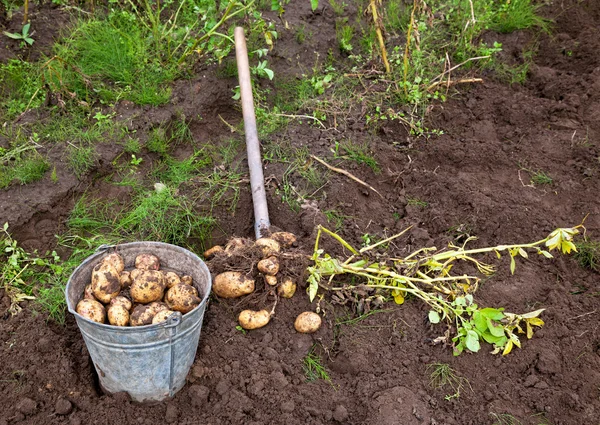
(105, 282)
(161, 316)
(147, 262)
(307, 322)
(143, 314)
(118, 315)
(172, 279)
(148, 286)
(121, 300)
(267, 246)
(269, 266)
(287, 289)
(232, 285)
(115, 260)
(254, 319)
(182, 298)
(92, 310)
(285, 239)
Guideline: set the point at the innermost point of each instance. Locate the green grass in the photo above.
(20, 88)
(441, 376)
(415, 202)
(313, 367)
(517, 14)
(21, 165)
(358, 153)
(504, 419)
(81, 159)
(588, 254)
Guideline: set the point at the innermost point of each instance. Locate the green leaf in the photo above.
(434, 317)
(472, 341)
(269, 73)
(546, 254)
(313, 286)
(13, 36)
(494, 329)
(522, 253)
(480, 321)
(314, 4)
(513, 265)
(5, 226)
(496, 340)
(493, 313)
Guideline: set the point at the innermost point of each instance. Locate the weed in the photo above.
(517, 14)
(416, 202)
(20, 88)
(336, 218)
(24, 36)
(132, 146)
(26, 168)
(538, 177)
(442, 375)
(158, 142)
(505, 419)
(358, 153)
(313, 368)
(81, 158)
(344, 33)
(301, 34)
(339, 7)
(588, 253)
(240, 329)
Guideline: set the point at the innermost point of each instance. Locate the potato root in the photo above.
(121, 300)
(287, 289)
(271, 280)
(285, 239)
(172, 279)
(115, 260)
(105, 282)
(118, 314)
(232, 285)
(161, 316)
(250, 319)
(269, 266)
(147, 262)
(268, 246)
(148, 286)
(92, 310)
(183, 298)
(307, 322)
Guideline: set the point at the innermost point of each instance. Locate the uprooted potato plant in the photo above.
(426, 274)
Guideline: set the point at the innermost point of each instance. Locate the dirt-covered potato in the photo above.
(186, 280)
(91, 309)
(143, 314)
(269, 266)
(105, 282)
(125, 278)
(211, 252)
(236, 243)
(115, 260)
(161, 316)
(232, 285)
(121, 300)
(271, 280)
(268, 246)
(307, 322)
(88, 294)
(172, 279)
(118, 315)
(158, 306)
(287, 289)
(148, 286)
(253, 319)
(147, 262)
(183, 298)
(285, 239)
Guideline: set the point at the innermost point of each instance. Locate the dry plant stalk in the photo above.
(346, 173)
(378, 26)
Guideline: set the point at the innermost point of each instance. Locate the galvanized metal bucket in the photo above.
(148, 362)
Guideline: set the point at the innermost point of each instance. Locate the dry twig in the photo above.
(346, 173)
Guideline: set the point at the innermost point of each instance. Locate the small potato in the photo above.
(105, 282)
(307, 322)
(287, 289)
(125, 278)
(147, 262)
(211, 252)
(148, 286)
(271, 280)
(285, 239)
(236, 243)
(172, 279)
(143, 314)
(253, 319)
(232, 285)
(118, 314)
(92, 310)
(269, 266)
(161, 316)
(186, 280)
(88, 294)
(121, 300)
(268, 246)
(115, 260)
(182, 298)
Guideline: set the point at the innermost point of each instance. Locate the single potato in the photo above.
(143, 314)
(269, 266)
(268, 246)
(125, 278)
(172, 279)
(148, 286)
(147, 262)
(285, 239)
(271, 280)
(307, 322)
(161, 316)
(115, 260)
(211, 252)
(236, 243)
(186, 280)
(182, 298)
(287, 289)
(92, 310)
(121, 300)
(105, 282)
(118, 315)
(232, 285)
(253, 319)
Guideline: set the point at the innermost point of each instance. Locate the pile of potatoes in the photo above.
(141, 296)
(235, 284)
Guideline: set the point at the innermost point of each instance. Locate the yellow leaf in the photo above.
(535, 321)
(554, 240)
(399, 298)
(529, 330)
(567, 246)
(507, 348)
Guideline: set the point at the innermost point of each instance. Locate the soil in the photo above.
(473, 180)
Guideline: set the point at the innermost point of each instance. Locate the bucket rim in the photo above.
(101, 250)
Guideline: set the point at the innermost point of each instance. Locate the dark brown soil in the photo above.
(470, 178)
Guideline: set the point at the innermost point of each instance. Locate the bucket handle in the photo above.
(171, 323)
